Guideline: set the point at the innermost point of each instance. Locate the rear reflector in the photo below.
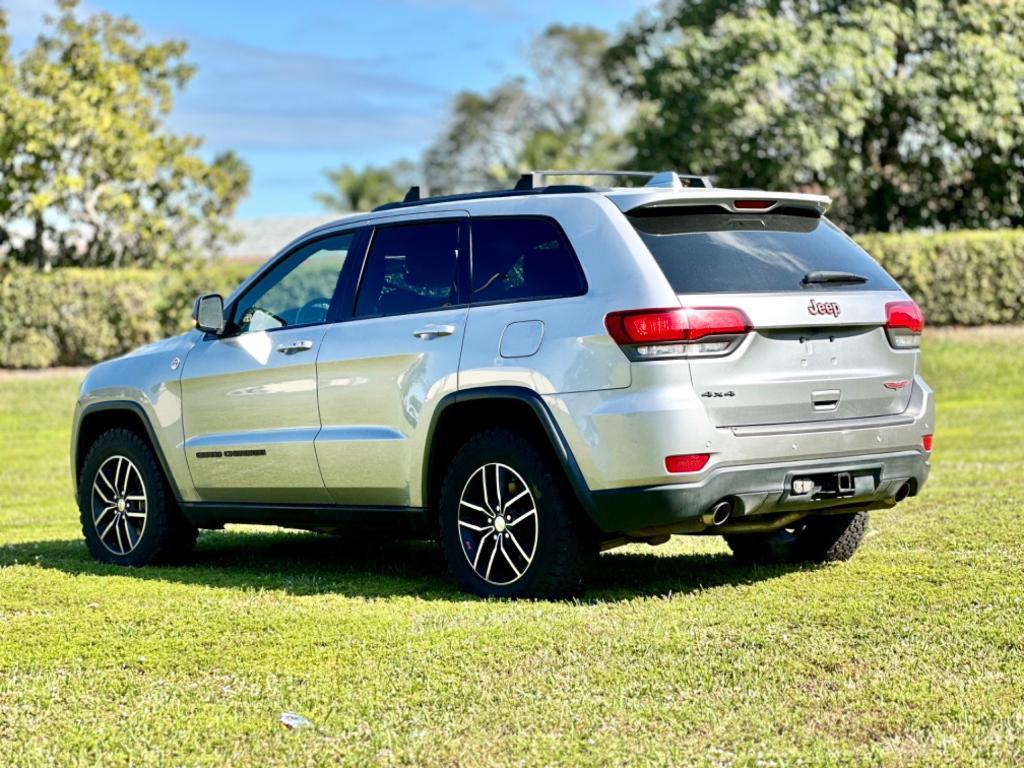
(904, 322)
(926, 443)
(752, 205)
(690, 462)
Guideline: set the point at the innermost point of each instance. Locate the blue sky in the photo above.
(297, 87)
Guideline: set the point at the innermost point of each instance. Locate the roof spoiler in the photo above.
(733, 200)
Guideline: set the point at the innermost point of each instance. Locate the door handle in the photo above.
(434, 331)
(825, 399)
(295, 346)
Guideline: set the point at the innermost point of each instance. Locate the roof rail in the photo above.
(554, 189)
(668, 179)
(532, 183)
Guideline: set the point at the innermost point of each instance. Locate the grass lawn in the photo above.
(910, 654)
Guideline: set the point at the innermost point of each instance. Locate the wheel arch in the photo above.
(466, 412)
(98, 418)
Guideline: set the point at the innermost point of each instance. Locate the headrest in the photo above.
(433, 265)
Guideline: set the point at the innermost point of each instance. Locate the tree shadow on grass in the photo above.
(370, 566)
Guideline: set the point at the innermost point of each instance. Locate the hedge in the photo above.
(958, 278)
(82, 316)
(79, 316)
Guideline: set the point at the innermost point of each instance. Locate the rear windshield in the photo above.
(706, 249)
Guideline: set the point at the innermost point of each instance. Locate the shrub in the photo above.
(82, 316)
(180, 288)
(958, 278)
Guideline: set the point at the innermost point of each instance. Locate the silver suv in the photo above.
(530, 376)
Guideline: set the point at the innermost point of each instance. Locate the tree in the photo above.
(562, 116)
(911, 114)
(364, 189)
(86, 160)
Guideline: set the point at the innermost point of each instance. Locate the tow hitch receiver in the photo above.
(832, 485)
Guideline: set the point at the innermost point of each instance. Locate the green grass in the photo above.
(910, 654)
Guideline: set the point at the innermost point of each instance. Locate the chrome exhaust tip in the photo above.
(719, 514)
(902, 492)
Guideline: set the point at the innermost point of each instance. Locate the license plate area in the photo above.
(821, 486)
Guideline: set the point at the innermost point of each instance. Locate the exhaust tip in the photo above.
(719, 513)
(903, 491)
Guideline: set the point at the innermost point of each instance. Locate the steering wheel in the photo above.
(320, 305)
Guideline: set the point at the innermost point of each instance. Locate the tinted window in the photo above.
(411, 268)
(297, 291)
(709, 250)
(522, 258)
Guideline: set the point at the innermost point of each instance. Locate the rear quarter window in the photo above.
(522, 258)
(707, 249)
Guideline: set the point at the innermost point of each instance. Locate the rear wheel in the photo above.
(821, 539)
(509, 527)
(128, 514)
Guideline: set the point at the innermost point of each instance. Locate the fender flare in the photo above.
(536, 403)
(135, 408)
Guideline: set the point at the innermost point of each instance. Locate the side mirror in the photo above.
(208, 312)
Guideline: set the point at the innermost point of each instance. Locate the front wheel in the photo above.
(509, 527)
(821, 539)
(128, 514)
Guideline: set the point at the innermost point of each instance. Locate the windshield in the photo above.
(706, 249)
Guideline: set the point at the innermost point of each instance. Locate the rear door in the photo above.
(383, 370)
(817, 303)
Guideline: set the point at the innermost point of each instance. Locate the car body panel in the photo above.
(148, 378)
(251, 417)
(379, 384)
(348, 423)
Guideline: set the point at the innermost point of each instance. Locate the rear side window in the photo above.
(707, 249)
(520, 258)
(410, 268)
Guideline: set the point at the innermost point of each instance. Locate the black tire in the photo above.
(564, 543)
(822, 539)
(162, 536)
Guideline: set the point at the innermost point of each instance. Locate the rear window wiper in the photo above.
(821, 276)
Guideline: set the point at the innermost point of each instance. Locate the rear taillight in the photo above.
(678, 332)
(903, 324)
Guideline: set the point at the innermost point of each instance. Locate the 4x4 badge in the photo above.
(823, 308)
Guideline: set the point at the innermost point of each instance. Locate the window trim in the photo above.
(355, 254)
(566, 243)
(461, 271)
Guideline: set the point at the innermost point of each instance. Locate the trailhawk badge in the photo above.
(823, 308)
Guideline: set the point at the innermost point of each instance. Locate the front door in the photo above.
(382, 373)
(249, 396)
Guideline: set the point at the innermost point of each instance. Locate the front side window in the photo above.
(516, 259)
(410, 268)
(297, 291)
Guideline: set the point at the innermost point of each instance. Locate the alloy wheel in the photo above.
(119, 505)
(498, 524)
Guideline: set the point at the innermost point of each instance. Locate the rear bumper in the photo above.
(756, 490)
